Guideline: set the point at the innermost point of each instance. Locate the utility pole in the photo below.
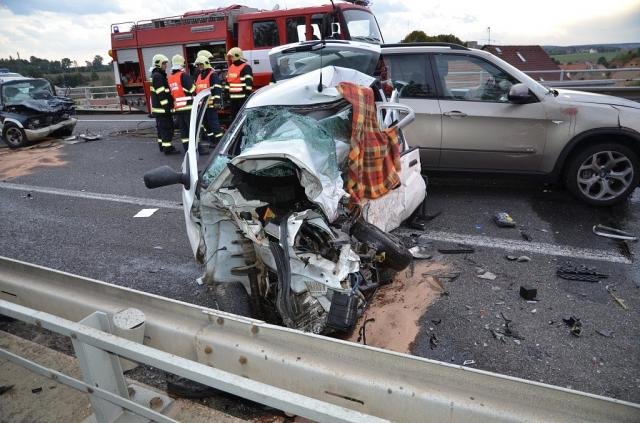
(489, 35)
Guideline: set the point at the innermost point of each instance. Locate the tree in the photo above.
(603, 61)
(415, 37)
(421, 36)
(97, 61)
(65, 63)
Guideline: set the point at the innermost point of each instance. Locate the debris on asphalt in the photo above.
(504, 220)
(439, 275)
(617, 299)
(5, 388)
(525, 236)
(36, 390)
(499, 336)
(613, 233)
(575, 325)
(580, 273)
(362, 332)
(433, 341)
(523, 259)
(436, 321)
(605, 333)
(456, 250)
(534, 311)
(199, 281)
(468, 362)
(419, 252)
(88, 136)
(528, 293)
(511, 257)
(487, 275)
(28, 195)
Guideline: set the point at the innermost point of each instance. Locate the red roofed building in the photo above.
(527, 59)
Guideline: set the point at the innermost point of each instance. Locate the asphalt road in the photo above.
(76, 213)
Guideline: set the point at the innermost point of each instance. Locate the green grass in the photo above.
(582, 57)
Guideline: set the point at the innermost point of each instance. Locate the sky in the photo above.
(80, 29)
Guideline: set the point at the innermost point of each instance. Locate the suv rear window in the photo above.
(411, 75)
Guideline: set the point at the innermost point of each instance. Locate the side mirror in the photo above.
(519, 94)
(164, 176)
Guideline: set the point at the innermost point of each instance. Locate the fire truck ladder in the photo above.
(320, 378)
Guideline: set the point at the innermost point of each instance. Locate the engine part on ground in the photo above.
(396, 255)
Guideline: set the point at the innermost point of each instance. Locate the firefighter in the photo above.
(182, 91)
(205, 53)
(208, 79)
(162, 103)
(239, 82)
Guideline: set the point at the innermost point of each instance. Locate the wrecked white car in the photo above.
(270, 210)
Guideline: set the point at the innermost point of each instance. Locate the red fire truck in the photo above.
(133, 44)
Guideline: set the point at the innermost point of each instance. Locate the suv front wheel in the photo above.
(603, 174)
(14, 136)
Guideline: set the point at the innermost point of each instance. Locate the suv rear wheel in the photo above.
(603, 174)
(14, 136)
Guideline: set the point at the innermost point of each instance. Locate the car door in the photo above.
(410, 74)
(481, 129)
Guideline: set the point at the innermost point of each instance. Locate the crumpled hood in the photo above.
(48, 105)
(571, 96)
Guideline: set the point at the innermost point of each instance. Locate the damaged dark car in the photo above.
(31, 111)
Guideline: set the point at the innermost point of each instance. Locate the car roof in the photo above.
(10, 76)
(426, 46)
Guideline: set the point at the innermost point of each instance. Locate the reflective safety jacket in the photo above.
(209, 79)
(239, 82)
(182, 89)
(161, 100)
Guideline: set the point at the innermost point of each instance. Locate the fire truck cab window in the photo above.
(296, 29)
(265, 34)
(318, 25)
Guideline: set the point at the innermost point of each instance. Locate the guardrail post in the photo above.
(101, 369)
(561, 74)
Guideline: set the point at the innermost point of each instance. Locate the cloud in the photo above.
(72, 7)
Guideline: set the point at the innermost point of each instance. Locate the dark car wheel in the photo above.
(14, 136)
(397, 257)
(603, 174)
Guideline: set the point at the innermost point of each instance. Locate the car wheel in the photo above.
(231, 297)
(14, 136)
(603, 174)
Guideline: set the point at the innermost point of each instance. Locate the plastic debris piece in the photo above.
(617, 299)
(574, 324)
(36, 390)
(534, 311)
(605, 333)
(528, 293)
(613, 233)
(468, 362)
(456, 250)
(5, 388)
(511, 257)
(523, 259)
(580, 273)
(487, 275)
(419, 252)
(504, 220)
(199, 281)
(433, 341)
(90, 137)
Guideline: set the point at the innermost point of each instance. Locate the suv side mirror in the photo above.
(519, 94)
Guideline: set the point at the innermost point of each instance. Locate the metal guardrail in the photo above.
(103, 98)
(287, 369)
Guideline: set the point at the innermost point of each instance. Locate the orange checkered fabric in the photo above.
(374, 158)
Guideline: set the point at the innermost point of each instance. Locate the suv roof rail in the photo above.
(452, 46)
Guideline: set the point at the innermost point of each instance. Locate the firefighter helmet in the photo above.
(159, 59)
(177, 60)
(205, 53)
(236, 54)
(201, 60)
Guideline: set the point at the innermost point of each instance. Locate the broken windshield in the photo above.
(323, 129)
(17, 92)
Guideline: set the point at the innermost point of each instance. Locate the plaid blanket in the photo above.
(374, 158)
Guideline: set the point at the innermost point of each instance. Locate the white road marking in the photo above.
(474, 240)
(525, 246)
(145, 202)
(146, 213)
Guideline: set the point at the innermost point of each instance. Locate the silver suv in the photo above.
(475, 112)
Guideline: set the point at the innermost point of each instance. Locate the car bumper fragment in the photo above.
(40, 133)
